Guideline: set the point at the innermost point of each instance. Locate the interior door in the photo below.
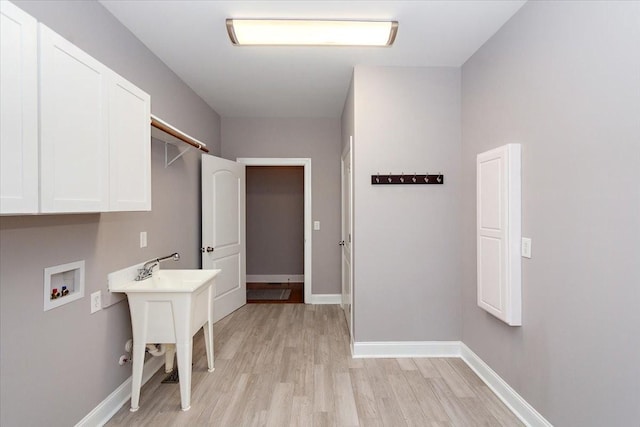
(345, 243)
(223, 231)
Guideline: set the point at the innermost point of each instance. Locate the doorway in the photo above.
(278, 229)
(275, 234)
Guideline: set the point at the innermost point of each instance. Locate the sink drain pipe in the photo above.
(156, 349)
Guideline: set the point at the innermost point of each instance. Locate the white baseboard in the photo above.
(106, 409)
(325, 299)
(396, 349)
(275, 278)
(523, 410)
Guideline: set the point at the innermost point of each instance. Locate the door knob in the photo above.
(208, 249)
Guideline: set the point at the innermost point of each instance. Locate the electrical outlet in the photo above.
(316, 225)
(143, 239)
(96, 301)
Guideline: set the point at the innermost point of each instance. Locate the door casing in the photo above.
(347, 233)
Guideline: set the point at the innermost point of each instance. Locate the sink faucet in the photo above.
(147, 269)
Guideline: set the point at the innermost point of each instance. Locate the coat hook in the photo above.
(426, 177)
(389, 177)
(378, 178)
(402, 177)
(414, 179)
(439, 178)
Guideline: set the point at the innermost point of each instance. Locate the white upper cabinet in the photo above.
(19, 111)
(73, 128)
(129, 146)
(75, 135)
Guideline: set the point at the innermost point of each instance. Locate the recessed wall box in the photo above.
(63, 284)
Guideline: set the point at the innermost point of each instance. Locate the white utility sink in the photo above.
(169, 308)
(168, 281)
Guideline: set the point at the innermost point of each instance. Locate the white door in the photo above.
(345, 243)
(223, 231)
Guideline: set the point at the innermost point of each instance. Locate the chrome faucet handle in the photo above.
(147, 269)
(144, 273)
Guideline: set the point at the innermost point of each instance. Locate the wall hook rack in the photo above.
(407, 179)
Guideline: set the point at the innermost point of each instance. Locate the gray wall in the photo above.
(275, 220)
(318, 139)
(406, 264)
(563, 79)
(58, 365)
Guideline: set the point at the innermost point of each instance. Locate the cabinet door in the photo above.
(18, 111)
(498, 196)
(73, 128)
(129, 147)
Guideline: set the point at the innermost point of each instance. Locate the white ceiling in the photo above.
(190, 37)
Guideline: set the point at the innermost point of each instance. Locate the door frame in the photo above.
(306, 164)
(347, 151)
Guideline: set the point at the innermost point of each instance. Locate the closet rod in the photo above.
(167, 128)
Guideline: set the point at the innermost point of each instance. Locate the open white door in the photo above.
(345, 243)
(223, 231)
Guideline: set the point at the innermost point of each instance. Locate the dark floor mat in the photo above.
(268, 294)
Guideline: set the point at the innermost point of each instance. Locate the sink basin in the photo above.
(169, 308)
(168, 281)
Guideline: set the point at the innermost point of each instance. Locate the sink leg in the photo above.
(184, 348)
(184, 351)
(208, 342)
(136, 376)
(168, 357)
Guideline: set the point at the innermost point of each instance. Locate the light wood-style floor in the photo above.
(290, 365)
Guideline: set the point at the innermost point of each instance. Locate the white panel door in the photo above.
(223, 231)
(498, 233)
(129, 147)
(73, 128)
(18, 111)
(345, 243)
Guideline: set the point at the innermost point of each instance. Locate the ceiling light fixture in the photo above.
(283, 32)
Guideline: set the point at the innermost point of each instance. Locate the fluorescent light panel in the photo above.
(259, 32)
